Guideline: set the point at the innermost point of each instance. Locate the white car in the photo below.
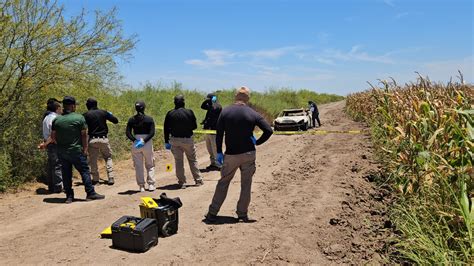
(293, 119)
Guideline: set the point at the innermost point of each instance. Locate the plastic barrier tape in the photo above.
(309, 132)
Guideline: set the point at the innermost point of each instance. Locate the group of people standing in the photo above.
(78, 140)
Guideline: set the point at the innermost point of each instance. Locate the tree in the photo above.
(40, 48)
(42, 52)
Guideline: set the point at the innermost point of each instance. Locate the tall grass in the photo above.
(28, 163)
(424, 135)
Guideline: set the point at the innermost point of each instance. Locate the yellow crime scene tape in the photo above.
(308, 132)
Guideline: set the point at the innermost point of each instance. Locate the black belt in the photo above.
(182, 137)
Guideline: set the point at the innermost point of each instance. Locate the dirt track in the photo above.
(311, 200)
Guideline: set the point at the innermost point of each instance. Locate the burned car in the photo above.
(293, 119)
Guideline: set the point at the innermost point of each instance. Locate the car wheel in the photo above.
(304, 127)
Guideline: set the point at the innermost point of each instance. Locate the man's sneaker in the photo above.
(210, 218)
(142, 188)
(182, 185)
(69, 200)
(151, 188)
(95, 196)
(94, 182)
(213, 168)
(246, 219)
(110, 182)
(199, 183)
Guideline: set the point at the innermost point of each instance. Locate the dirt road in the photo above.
(311, 200)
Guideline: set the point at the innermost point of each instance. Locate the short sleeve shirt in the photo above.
(68, 129)
(47, 124)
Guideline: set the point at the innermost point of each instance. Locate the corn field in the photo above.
(424, 135)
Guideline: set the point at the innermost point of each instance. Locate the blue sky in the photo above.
(326, 46)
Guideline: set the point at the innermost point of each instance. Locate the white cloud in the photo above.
(272, 53)
(332, 56)
(401, 15)
(214, 58)
(389, 2)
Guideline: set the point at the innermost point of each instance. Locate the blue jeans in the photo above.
(79, 161)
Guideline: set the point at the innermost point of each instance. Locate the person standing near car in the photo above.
(214, 109)
(96, 120)
(143, 128)
(314, 113)
(237, 123)
(54, 174)
(180, 123)
(69, 131)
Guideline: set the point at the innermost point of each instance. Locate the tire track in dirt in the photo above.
(310, 199)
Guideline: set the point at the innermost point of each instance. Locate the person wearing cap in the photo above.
(180, 123)
(140, 130)
(69, 131)
(214, 109)
(237, 123)
(54, 178)
(314, 113)
(96, 120)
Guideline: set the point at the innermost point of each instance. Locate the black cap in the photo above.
(140, 104)
(210, 95)
(69, 100)
(91, 101)
(179, 99)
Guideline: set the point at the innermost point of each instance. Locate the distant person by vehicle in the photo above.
(54, 178)
(69, 131)
(143, 128)
(180, 123)
(214, 109)
(237, 123)
(96, 120)
(314, 113)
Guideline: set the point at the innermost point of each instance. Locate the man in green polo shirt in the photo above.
(69, 131)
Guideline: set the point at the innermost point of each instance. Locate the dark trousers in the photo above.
(316, 118)
(79, 161)
(54, 177)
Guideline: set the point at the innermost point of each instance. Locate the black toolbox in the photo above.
(134, 234)
(166, 214)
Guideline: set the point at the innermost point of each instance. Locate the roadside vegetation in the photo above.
(424, 135)
(45, 54)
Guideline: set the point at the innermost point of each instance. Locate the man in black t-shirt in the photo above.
(143, 128)
(98, 142)
(237, 122)
(214, 109)
(180, 123)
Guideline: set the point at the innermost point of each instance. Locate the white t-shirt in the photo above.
(48, 124)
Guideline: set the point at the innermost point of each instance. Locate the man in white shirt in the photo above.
(54, 175)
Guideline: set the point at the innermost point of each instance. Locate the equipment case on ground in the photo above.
(134, 234)
(166, 214)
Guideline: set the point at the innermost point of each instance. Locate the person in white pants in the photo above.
(143, 128)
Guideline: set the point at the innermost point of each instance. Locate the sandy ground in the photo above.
(311, 197)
